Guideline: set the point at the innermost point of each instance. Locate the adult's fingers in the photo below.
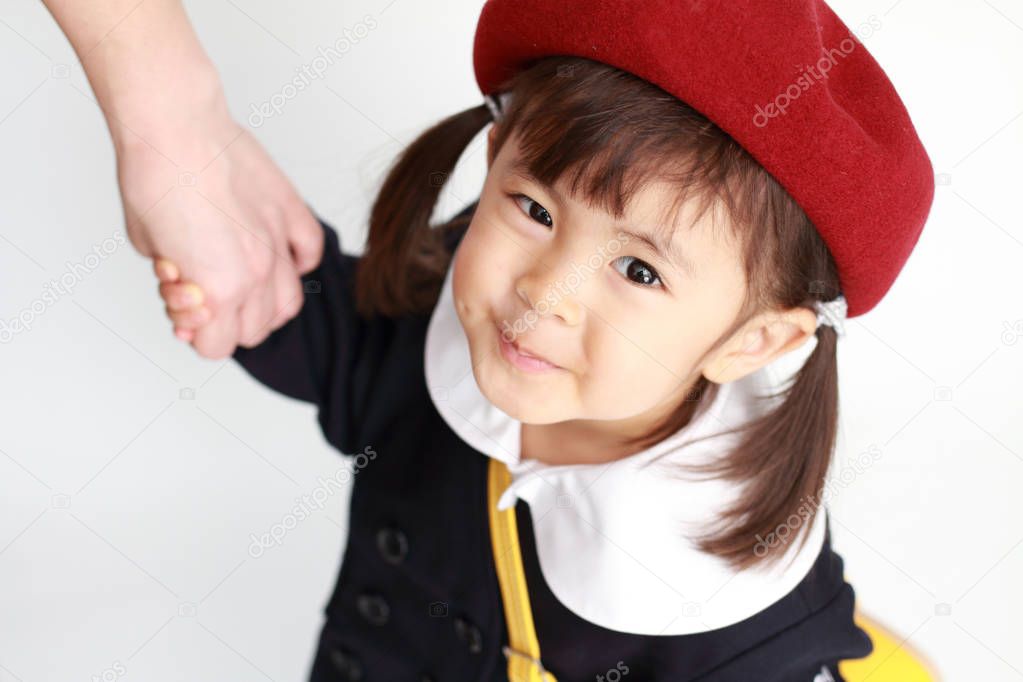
(305, 237)
(284, 302)
(290, 296)
(255, 316)
(218, 338)
(257, 311)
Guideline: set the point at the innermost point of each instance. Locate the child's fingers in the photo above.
(165, 270)
(181, 295)
(189, 319)
(183, 300)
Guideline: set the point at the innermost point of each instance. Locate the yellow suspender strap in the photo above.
(524, 653)
(890, 660)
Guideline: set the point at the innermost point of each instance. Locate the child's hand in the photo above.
(183, 299)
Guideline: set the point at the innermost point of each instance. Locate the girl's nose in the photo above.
(551, 290)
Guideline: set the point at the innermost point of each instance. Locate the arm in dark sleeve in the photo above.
(312, 356)
(807, 649)
(361, 373)
(810, 650)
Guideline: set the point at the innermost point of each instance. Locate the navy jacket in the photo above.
(417, 597)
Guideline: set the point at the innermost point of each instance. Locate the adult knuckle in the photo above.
(253, 340)
(253, 333)
(261, 263)
(292, 306)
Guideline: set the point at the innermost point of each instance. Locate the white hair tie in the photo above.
(832, 313)
(498, 104)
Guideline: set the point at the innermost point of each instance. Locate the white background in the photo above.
(127, 510)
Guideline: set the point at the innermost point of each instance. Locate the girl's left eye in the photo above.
(648, 277)
(540, 213)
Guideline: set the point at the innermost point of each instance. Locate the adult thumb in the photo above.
(305, 239)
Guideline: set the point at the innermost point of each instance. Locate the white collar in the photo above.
(610, 537)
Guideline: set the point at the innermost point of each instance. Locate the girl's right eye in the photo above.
(538, 213)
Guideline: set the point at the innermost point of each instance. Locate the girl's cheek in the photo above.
(478, 265)
(511, 218)
(498, 249)
(628, 305)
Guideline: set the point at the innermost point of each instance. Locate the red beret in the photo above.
(785, 78)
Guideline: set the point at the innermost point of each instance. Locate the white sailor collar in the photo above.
(611, 537)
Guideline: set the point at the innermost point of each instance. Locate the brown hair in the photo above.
(614, 132)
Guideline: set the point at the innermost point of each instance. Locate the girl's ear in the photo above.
(764, 338)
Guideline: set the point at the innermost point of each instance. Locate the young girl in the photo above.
(585, 466)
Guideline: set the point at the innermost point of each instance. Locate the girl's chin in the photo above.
(518, 397)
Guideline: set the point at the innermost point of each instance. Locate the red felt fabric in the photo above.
(845, 148)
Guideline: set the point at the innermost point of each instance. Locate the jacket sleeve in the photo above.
(363, 374)
(313, 356)
(808, 647)
(810, 650)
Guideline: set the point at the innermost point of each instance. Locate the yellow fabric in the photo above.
(890, 661)
(524, 651)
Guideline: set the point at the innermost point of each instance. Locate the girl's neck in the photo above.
(592, 441)
(580, 441)
(556, 444)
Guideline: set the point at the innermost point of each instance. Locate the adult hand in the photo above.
(196, 187)
(234, 225)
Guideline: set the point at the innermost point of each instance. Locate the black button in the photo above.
(373, 608)
(346, 664)
(470, 634)
(392, 544)
(426, 678)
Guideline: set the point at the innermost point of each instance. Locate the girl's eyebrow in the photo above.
(519, 168)
(668, 249)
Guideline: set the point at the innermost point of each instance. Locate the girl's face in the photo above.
(623, 326)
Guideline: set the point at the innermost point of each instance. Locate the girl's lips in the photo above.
(522, 360)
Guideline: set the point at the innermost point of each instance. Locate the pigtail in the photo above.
(405, 260)
(783, 459)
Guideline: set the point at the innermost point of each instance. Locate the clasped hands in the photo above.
(228, 247)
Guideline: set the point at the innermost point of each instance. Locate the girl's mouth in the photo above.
(522, 359)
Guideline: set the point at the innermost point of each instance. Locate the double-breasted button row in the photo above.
(392, 544)
(373, 607)
(349, 668)
(469, 634)
(347, 665)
